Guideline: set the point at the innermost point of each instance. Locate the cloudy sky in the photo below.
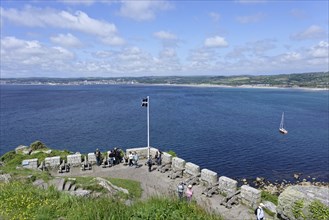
(77, 38)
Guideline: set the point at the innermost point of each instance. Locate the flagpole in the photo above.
(148, 127)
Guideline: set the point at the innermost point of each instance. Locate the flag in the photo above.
(145, 102)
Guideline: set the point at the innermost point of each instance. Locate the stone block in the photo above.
(153, 151)
(74, 159)
(30, 163)
(209, 176)
(227, 185)
(141, 151)
(178, 163)
(52, 161)
(192, 169)
(92, 158)
(166, 158)
(250, 196)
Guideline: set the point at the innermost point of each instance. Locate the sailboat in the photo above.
(281, 129)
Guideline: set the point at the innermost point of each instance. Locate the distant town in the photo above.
(301, 80)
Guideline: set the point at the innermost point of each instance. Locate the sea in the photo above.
(231, 131)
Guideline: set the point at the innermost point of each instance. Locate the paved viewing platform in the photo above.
(156, 183)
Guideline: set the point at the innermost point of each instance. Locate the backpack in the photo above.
(256, 210)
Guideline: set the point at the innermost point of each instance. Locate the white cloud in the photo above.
(163, 35)
(103, 54)
(79, 21)
(312, 32)
(66, 40)
(143, 10)
(250, 18)
(31, 57)
(216, 41)
(290, 57)
(215, 16)
(320, 51)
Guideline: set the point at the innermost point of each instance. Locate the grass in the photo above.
(270, 197)
(24, 201)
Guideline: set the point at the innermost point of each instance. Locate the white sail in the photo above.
(282, 129)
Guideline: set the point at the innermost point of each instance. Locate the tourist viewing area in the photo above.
(216, 193)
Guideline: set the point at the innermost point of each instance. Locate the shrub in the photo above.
(172, 153)
(37, 145)
(318, 210)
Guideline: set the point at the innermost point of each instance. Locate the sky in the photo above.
(114, 38)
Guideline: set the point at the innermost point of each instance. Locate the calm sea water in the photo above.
(232, 131)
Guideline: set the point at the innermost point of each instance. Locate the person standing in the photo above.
(260, 212)
(189, 193)
(150, 163)
(180, 190)
(98, 157)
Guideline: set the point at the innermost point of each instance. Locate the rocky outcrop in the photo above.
(5, 178)
(296, 199)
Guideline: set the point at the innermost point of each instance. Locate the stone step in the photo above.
(67, 186)
(58, 183)
(73, 187)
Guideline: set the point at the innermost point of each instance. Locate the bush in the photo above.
(270, 197)
(172, 153)
(37, 145)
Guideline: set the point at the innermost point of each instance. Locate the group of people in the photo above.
(114, 156)
(157, 160)
(188, 192)
(132, 159)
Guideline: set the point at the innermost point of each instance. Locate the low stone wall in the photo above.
(209, 176)
(92, 158)
(30, 163)
(166, 158)
(52, 161)
(192, 169)
(250, 196)
(141, 151)
(153, 151)
(74, 160)
(227, 186)
(177, 163)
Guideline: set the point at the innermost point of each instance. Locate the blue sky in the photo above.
(90, 38)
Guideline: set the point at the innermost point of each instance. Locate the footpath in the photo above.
(155, 183)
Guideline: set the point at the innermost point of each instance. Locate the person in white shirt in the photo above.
(260, 212)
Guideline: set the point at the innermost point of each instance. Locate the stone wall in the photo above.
(166, 158)
(192, 169)
(30, 163)
(141, 151)
(227, 186)
(52, 161)
(74, 159)
(92, 158)
(210, 177)
(250, 196)
(177, 163)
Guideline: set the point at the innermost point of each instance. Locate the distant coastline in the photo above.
(306, 81)
(178, 85)
(242, 86)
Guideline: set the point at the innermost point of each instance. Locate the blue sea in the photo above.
(232, 131)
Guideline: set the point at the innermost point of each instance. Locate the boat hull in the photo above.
(283, 131)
